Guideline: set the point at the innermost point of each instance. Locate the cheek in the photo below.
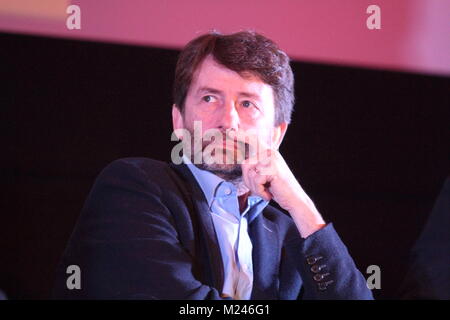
(267, 128)
(196, 119)
(261, 129)
(263, 124)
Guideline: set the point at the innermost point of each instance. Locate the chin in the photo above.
(227, 172)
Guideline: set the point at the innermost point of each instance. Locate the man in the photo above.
(203, 229)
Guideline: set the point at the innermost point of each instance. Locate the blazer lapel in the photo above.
(207, 232)
(266, 257)
(263, 234)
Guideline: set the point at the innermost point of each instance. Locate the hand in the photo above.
(268, 176)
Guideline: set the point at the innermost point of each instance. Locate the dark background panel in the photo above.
(370, 147)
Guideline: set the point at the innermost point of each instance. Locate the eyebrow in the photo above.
(203, 90)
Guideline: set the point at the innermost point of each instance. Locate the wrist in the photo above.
(307, 219)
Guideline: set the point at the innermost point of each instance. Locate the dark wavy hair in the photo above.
(243, 52)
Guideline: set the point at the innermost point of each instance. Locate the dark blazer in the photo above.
(145, 232)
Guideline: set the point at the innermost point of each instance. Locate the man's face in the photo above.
(222, 99)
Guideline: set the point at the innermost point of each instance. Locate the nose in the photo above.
(229, 117)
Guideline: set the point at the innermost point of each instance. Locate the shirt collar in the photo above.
(208, 181)
(213, 186)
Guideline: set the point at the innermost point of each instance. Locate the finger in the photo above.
(251, 181)
(246, 165)
(266, 195)
(257, 145)
(261, 187)
(267, 169)
(258, 185)
(246, 169)
(264, 161)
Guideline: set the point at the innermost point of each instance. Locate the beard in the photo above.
(222, 158)
(228, 172)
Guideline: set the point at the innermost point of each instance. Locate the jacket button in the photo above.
(319, 276)
(315, 268)
(311, 260)
(323, 285)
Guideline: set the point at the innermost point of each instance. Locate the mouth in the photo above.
(225, 152)
(236, 146)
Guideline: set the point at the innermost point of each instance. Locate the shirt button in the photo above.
(227, 191)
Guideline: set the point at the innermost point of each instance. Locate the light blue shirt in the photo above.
(232, 230)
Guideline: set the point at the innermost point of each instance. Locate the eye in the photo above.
(247, 104)
(208, 98)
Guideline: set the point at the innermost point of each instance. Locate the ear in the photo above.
(177, 121)
(278, 134)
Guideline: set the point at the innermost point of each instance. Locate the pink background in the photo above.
(414, 34)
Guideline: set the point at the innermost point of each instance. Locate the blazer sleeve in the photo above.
(126, 243)
(327, 269)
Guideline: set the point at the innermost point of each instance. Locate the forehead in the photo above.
(212, 74)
